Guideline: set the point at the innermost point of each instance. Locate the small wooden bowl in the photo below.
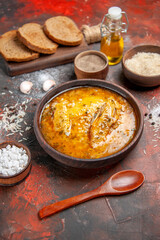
(97, 74)
(18, 177)
(144, 81)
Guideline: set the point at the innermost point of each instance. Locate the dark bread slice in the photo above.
(13, 50)
(33, 36)
(63, 30)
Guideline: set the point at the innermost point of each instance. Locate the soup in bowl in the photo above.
(88, 123)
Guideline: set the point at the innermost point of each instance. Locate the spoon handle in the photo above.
(59, 206)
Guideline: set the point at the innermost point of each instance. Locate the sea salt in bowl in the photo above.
(142, 69)
(15, 162)
(91, 64)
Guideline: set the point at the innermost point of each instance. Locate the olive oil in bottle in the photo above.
(112, 40)
(113, 48)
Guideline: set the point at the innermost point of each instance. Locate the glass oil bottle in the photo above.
(112, 28)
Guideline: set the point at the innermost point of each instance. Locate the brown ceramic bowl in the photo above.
(78, 163)
(91, 64)
(16, 178)
(144, 81)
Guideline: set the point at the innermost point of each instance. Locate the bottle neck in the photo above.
(111, 26)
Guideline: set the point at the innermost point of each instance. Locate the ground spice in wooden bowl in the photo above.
(94, 63)
(91, 64)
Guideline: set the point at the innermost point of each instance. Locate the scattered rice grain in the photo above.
(12, 118)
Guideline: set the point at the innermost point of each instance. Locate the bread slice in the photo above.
(13, 50)
(63, 30)
(33, 36)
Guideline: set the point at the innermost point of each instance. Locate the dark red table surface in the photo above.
(135, 216)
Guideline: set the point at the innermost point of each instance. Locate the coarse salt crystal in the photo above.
(12, 160)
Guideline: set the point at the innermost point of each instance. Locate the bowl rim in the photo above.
(140, 46)
(89, 52)
(17, 144)
(82, 82)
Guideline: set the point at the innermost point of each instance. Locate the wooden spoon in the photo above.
(120, 183)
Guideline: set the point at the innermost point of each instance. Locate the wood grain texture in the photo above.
(120, 183)
(63, 55)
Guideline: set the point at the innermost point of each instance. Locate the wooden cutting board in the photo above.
(63, 55)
